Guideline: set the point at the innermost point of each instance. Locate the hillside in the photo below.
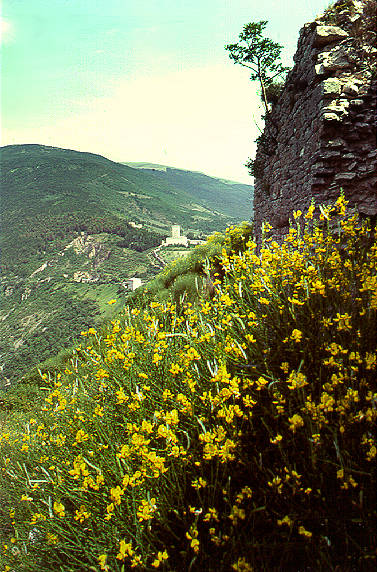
(67, 246)
(232, 432)
(232, 196)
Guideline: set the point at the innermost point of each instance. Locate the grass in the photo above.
(171, 254)
(235, 432)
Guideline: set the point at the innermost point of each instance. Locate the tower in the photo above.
(176, 231)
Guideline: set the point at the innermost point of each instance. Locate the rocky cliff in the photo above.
(320, 136)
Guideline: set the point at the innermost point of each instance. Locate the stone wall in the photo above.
(320, 136)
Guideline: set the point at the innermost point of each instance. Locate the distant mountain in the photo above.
(67, 245)
(230, 197)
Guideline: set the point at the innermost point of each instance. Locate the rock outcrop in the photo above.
(320, 136)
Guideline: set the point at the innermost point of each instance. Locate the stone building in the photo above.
(320, 136)
(176, 238)
(132, 283)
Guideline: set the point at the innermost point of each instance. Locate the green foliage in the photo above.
(189, 277)
(234, 434)
(332, 13)
(193, 265)
(260, 55)
(273, 91)
(61, 328)
(267, 145)
(256, 167)
(187, 288)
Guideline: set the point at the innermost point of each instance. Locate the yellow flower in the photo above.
(285, 366)
(242, 566)
(318, 287)
(125, 549)
(305, 532)
(250, 338)
(295, 422)
(261, 382)
(146, 509)
(198, 483)
(237, 513)
(195, 545)
(82, 514)
(372, 453)
(115, 494)
(79, 468)
(171, 417)
(51, 538)
(162, 431)
(341, 203)
(102, 562)
(101, 373)
(98, 411)
(296, 335)
(175, 369)
(248, 401)
(110, 511)
(343, 321)
(295, 301)
(121, 396)
(81, 436)
(285, 520)
(146, 426)
(296, 380)
(99, 481)
(309, 214)
(59, 509)
(211, 515)
(113, 301)
(161, 556)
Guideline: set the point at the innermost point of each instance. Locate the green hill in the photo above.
(232, 196)
(67, 245)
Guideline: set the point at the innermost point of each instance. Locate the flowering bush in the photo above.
(237, 434)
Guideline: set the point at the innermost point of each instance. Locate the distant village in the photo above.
(176, 239)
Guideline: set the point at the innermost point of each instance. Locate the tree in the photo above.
(260, 55)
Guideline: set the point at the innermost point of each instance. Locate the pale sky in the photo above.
(139, 80)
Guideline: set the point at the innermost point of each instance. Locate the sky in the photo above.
(139, 80)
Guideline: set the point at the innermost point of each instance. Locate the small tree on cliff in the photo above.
(260, 55)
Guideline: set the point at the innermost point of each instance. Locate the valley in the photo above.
(76, 227)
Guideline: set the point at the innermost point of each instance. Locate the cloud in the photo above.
(200, 119)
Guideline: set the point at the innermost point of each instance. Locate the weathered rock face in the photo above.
(91, 247)
(320, 137)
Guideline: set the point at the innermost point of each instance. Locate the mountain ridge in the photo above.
(160, 167)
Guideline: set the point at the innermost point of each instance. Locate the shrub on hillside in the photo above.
(188, 278)
(273, 91)
(236, 435)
